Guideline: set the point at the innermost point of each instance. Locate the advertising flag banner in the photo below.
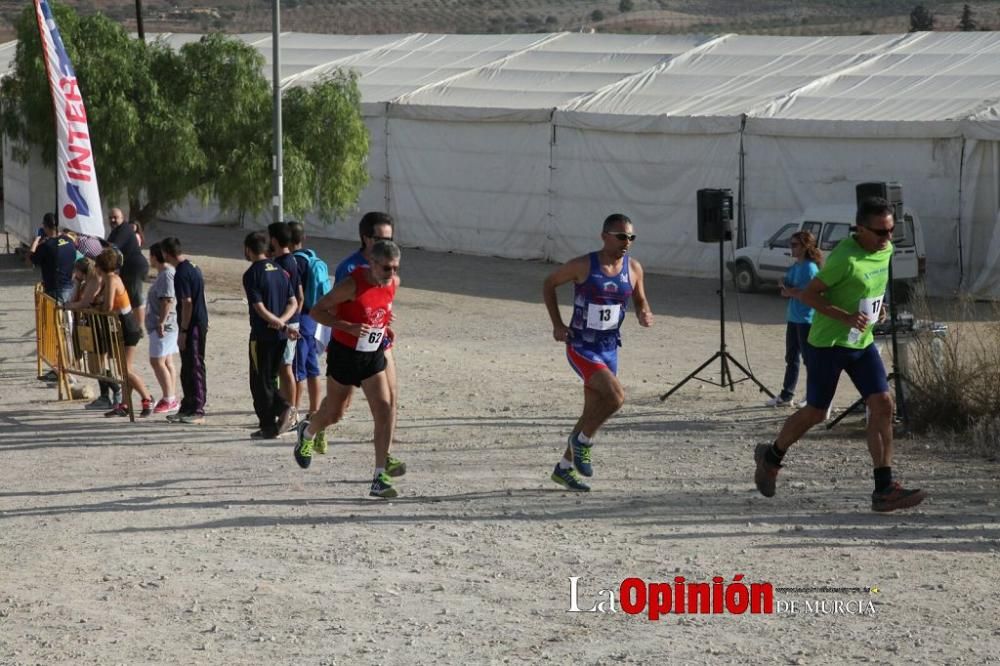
(76, 178)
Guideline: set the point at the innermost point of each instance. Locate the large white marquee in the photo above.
(519, 145)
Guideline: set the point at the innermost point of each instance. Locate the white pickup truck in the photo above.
(757, 265)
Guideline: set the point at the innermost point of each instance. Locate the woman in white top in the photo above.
(161, 329)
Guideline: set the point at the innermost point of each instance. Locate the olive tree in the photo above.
(167, 124)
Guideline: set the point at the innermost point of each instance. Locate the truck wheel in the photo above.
(745, 279)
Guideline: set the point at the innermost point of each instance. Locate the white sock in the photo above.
(379, 470)
(565, 463)
(169, 398)
(583, 439)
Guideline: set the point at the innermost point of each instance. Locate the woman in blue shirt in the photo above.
(808, 260)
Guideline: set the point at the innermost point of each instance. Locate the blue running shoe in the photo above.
(581, 456)
(569, 479)
(303, 446)
(382, 487)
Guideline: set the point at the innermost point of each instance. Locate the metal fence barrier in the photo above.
(82, 343)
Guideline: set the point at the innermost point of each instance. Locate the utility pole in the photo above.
(138, 21)
(278, 158)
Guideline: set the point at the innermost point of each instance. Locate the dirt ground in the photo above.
(152, 543)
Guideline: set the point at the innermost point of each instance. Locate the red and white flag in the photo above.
(78, 196)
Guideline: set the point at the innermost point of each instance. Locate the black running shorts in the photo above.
(351, 367)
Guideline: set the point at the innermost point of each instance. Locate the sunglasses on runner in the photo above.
(389, 268)
(884, 233)
(621, 235)
(380, 238)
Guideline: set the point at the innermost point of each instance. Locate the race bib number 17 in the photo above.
(870, 308)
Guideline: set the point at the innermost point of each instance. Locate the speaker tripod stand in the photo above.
(725, 358)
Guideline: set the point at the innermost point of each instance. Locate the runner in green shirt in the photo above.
(847, 295)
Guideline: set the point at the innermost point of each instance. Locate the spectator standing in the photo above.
(189, 288)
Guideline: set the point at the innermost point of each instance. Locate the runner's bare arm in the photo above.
(324, 312)
(574, 271)
(813, 296)
(642, 310)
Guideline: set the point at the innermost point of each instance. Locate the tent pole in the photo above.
(741, 224)
(385, 138)
(961, 203)
(547, 246)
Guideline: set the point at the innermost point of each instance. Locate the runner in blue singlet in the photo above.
(604, 281)
(599, 305)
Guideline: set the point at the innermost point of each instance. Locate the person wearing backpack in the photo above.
(280, 241)
(315, 284)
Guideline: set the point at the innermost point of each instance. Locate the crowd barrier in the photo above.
(81, 343)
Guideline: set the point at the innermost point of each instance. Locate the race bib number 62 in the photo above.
(370, 341)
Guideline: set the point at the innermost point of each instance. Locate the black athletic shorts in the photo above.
(351, 367)
(136, 290)
(131, 333)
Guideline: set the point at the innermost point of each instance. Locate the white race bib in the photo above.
(370, 341)
(870, 308)
(603, 317)
(323, 335)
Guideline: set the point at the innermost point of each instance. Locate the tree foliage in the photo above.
(921, 19)
(968, 22)
(166, 124)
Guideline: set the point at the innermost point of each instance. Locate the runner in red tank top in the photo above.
(359, 310)
(371, 307)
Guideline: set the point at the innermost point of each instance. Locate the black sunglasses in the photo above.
(380, 238)
(621, 235)
(884, 233)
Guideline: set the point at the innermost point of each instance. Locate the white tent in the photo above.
(519, 145)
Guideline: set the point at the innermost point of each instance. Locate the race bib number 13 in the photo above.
(370, 341)
(603, 317)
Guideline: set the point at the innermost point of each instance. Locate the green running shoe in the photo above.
(303, 446)
(569, 479)
(319, 442)
(382, 487)
(394, 466)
